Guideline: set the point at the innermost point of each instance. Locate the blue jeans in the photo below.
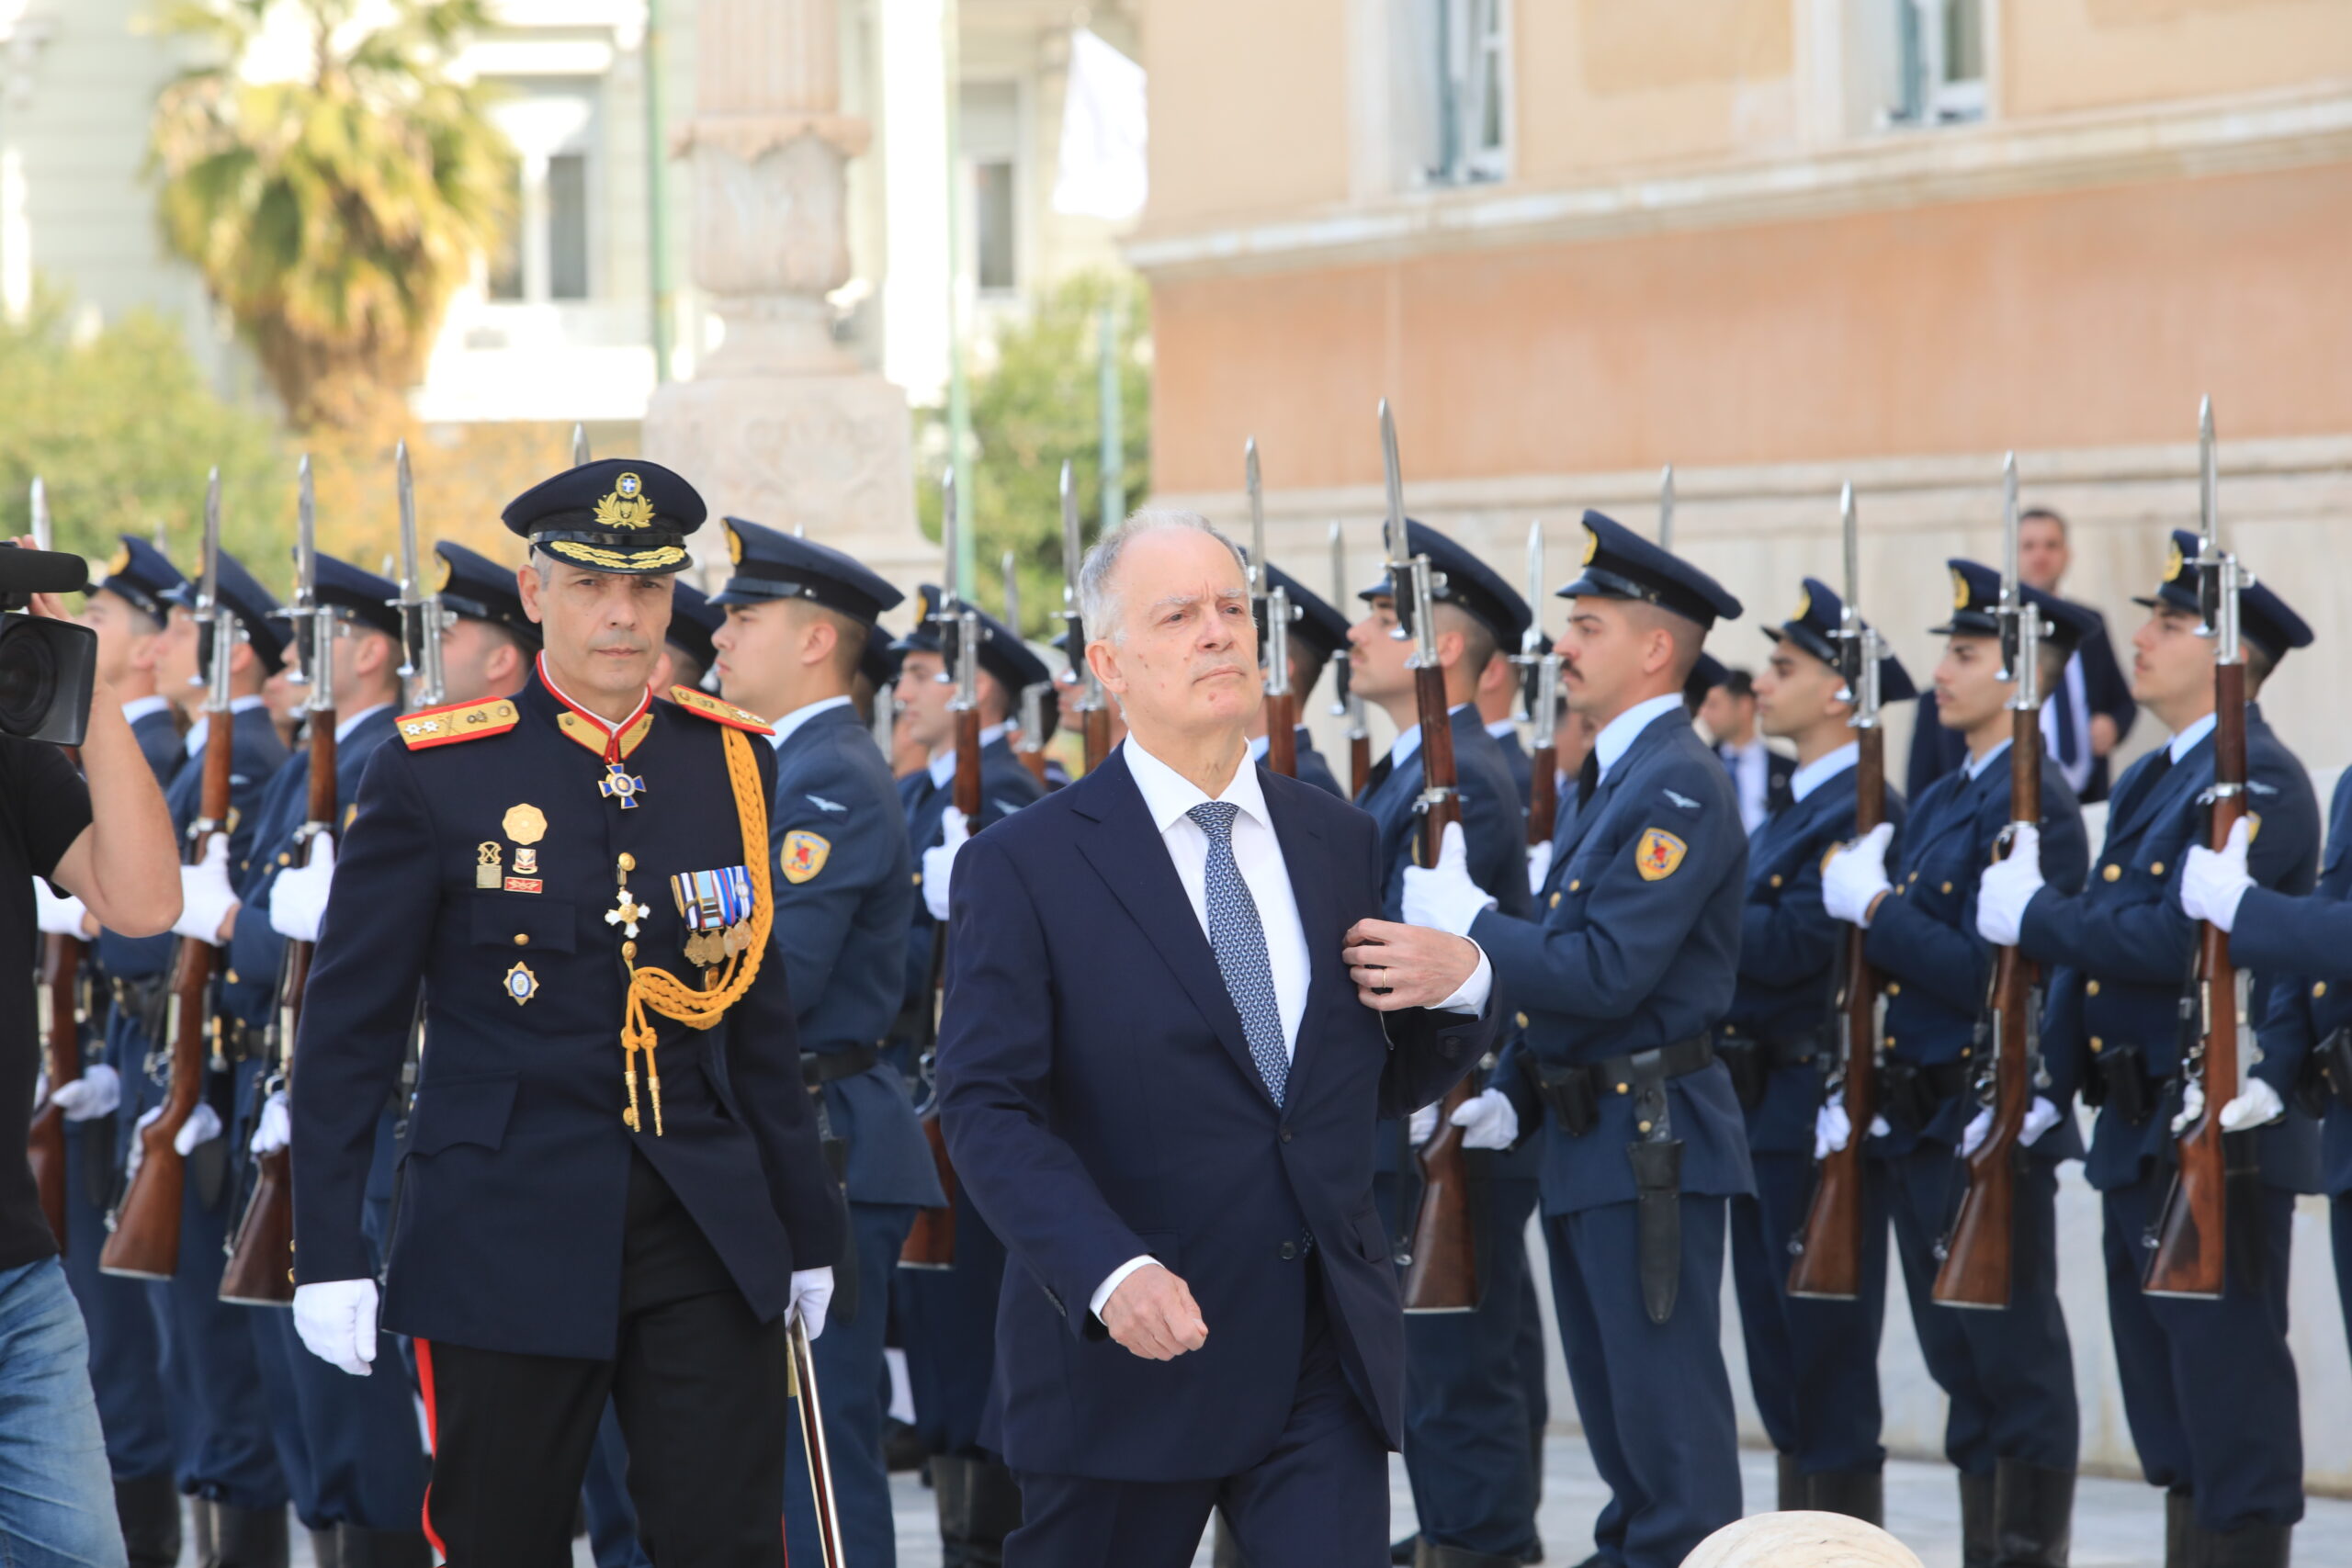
(56, 1491)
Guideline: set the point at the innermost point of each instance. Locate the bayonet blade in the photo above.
(1666, 508)
(42, 536)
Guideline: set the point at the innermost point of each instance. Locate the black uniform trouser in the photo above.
(699, 1387)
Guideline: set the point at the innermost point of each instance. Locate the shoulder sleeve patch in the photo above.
(1658, 855)
(428, 728)
(711, 708)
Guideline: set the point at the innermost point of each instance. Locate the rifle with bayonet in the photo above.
(58, 984)
(1539, 702)
(1272, 603)
(1979, 1253)
(1345, 703)
(1828, 1261)
(420, 606)
(260, 1269)
(1094, 717)
(931, 1242)
(1032, 750)
(145, 1243)
(2190, 1238)
(1441, 1270)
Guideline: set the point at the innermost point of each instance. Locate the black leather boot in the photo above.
(1430, 1554)
(2180, 1517)
(995, 1499)
(2248, 1546)
(1975, 1520)
(2033, 1515)
(1857, 1494)
(359, 1547)
(249, 1538)
(1795, 1494)
(148, 1507)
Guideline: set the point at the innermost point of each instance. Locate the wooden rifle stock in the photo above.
(1443, 1274)
(1542, 794)
(60, 981)
(1979, 1253)
(931, 1243)
(146, 1240)
(2190, 1258)
(1828, 1263)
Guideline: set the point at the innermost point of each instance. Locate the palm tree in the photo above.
(335, 212)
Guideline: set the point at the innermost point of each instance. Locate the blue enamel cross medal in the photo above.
(620, 785)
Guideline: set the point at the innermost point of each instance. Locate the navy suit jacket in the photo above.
(2124, 946)
(1100, 1101)
(2307, 942)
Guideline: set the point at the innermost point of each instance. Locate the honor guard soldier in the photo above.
(350, 1449)
(797, 615)
(488, 644)
(1815, 1379)
(2012, 1429)
(1623, 973)
(2208, 1385)
(948, 1316)
(612, 1183)
(1473, 1406)
(128, 611)
(1318, 633)
(225, 1456)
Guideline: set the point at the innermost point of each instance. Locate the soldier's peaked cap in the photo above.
(773, 564)
(1621, 564)
(2264, 619)
(619, 514)
(1813, 628)
(1464, 582)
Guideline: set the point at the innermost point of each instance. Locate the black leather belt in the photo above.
(819, 1068)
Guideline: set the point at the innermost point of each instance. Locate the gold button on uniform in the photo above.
(2111, 871)
(522, 938)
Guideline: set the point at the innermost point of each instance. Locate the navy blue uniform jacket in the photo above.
(1101, 1103)
(507, 1222)
(1635, 945)
(2125, 946)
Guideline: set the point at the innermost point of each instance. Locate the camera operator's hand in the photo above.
(207, 901)
(298, 899)
(59, 917)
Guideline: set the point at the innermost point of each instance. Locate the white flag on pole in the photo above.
(1102, 172)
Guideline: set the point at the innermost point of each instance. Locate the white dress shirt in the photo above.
(1169, 796)
(1621, 732)
(1822, 768)
(790, 725)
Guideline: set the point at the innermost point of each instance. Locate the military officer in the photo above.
(798, 614)
(350, 1449)
(487, 642)
(2209, 1386)
(1319, 632)
(948, 1316)
(1623, 973)
(2012, 1428)
(127, 609)
(1817, 1394)
(1469, 1451)
(612, 1183)
(224, 1454)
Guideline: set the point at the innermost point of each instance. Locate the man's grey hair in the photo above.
(1096, 601)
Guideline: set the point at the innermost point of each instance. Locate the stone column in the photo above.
(778, 425)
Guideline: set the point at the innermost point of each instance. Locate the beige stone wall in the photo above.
(2057, 55)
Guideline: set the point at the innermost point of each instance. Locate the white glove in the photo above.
(1539, 865)
(2039, 1117)
(206, 898)
(939, 861)
(2210, 884)
(1421, 1125)
(275, 1129)
(95, 1094)
(1856, 876)
(55, 915)
(298, 899)
(1831, 1128)
(812, 1292)
(1487, 1120)
(1442, 897)
(2007, 886)
(336, 1319)
(203, 1125)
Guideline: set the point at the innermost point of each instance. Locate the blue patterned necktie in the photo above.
(1240, 942)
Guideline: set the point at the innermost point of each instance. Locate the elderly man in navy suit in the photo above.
(1172, 1018)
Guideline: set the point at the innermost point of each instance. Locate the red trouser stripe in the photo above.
(432, 1436)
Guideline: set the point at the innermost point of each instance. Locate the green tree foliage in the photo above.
(335, 213)
(120, 426)
(1038, 403)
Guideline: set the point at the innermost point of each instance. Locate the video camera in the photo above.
(47, 667)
